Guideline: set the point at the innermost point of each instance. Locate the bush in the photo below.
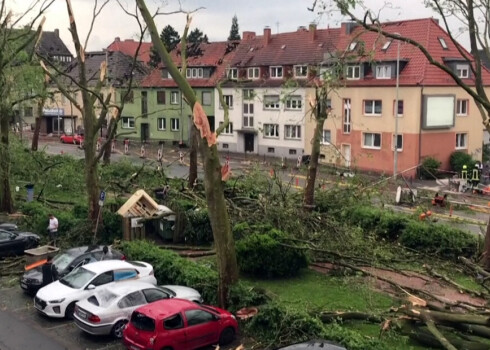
(263, 255)
(430, 167)
(170, 268)
(198, 228)
(391, 225)
(458, 159)
(365, 217)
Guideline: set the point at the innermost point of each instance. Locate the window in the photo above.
(276, 72)
(248, 94)
(174, 124)
(225, 146)
(229, 128)
(398, 141)
(443, 43)
(461, 141)
(128, 97)
(271, 102)
(400, 108)
(271, 130)
(352, 46)
(270, 150)
(132, 299)
(292, 132)
(372, 107)
(353, 72)
(173, 322)
(174, 98)
(28, 111)
(103, 278)
(371, 140)
(347, 116)
(161, 97)
(195, 317)
(142, 322)
(463, 70)
(153, 294)
(127, 122)
(162, 124)
(253, 73)
(292, 152)
(462, 107)
(228, 100)
(121, 275)
(194, 73)
(232, 73)
(206, 98)
(248, 114)
(326, 137)
(300, 71)
(144, 103)
(386, 45)
(294, 102)
(383, 72)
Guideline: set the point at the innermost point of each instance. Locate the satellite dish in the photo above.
(398, 195)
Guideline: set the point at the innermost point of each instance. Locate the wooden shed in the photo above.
(139, 206)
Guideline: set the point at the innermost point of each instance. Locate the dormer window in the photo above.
(353, 72)
(276, 72)
(194, 73)
(443, 43)
(232, 73)
(386, 46)
(383, 71)
(462, 70)
(301, 71)
(352, 46)
(253, 73)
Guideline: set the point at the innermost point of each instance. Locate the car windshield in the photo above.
(168, 291)
(61, 261)
(78, 278)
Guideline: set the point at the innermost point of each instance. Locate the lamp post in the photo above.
(395, 158)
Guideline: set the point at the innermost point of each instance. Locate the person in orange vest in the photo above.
(475, 176)
(464, 173)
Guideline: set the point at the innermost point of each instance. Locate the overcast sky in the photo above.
(213, 17)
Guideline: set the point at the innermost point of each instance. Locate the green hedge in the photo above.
(170, 268)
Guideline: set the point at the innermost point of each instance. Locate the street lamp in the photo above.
(395, 160)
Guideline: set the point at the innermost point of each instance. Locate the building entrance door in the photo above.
(145, 132)
(346, 154)
(249, 142)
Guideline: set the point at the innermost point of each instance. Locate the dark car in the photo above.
(14, 242)
(314, 345)
(65, 261)
(8, 226)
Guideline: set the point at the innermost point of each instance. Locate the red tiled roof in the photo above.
(129, 47)
(217, 55)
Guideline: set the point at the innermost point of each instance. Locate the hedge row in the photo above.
(170, 268)
(440, 239)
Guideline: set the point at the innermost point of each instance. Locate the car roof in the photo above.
(84, 249)
(107, 265)
(129, 287)
(166, 307)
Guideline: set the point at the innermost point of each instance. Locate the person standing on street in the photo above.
(50, 274)
(53, 229)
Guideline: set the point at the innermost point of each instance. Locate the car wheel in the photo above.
(70, 310)
(227, 336)
(62, 140)
(117, 330)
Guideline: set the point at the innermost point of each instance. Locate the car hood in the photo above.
(55, 291)
(183, 292)
(28, 234)
(35, 274)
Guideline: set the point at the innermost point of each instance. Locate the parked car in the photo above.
(8, 226)
(178, 324)
(58, 299)
(66, 261)
(76, 139)
(314, 345)
(108, 310)
(14, 243)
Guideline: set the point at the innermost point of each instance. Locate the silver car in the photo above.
(108, 311)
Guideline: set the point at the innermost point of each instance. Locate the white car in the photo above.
(58, 299)
(109, 309)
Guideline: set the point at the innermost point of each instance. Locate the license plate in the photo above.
(23, 285)
(132, 347)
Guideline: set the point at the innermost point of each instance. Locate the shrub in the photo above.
(365, 217)
(391, 225)
(458, 159)
(263, 255)
(198, 229)
(430, 167)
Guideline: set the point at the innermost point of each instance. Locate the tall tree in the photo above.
(197, 37)
(474, 17)
(214, 188)
(170, 38)
(16, 58)
(234, 31)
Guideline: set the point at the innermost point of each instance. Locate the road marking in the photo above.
(58, 326)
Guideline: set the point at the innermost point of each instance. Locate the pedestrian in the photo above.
(50, 274)
(53, 229)
(105, 250)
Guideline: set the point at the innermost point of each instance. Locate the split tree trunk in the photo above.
(35, 136)
(309, 196)
(6, 201)
(193, 156)
(487, 247)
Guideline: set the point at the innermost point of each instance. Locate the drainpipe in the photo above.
(420, 126)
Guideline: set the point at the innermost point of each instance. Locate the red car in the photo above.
(75, 139)
(178, 324)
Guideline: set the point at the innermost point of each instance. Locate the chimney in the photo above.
(248, 36)
(347, 27)
(57, 32)
(312, 30)
(267, 36)
(117, 39)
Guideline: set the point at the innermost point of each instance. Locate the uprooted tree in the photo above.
(213, 179)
